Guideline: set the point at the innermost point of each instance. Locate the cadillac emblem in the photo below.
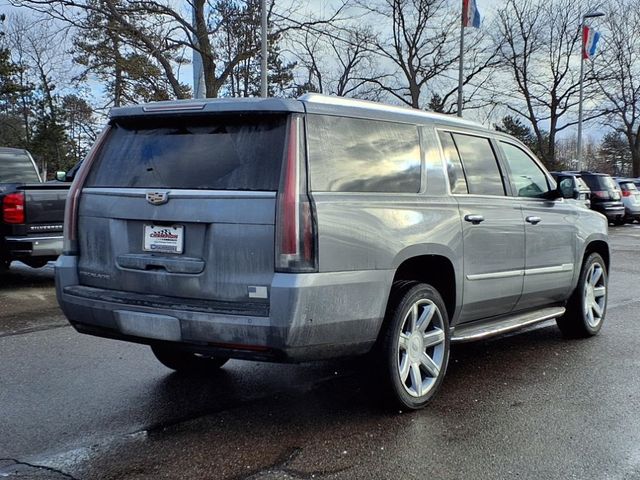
(157, 198)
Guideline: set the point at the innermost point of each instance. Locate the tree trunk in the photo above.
(204, 45)
(634, 142)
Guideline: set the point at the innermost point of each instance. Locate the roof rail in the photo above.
(321, 99)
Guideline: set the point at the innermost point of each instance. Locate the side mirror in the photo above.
(565, 188)
(61, 176)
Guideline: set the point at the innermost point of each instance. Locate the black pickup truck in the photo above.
(32, 212)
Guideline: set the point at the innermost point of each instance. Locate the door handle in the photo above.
(533, 220)
(474, 219)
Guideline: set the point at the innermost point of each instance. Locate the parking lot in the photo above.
(530, 405)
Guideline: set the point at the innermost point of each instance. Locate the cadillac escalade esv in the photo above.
(295, 230)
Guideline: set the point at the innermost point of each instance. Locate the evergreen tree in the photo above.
(515, 127)
(107, 50)
(12, 128)
(615, 152)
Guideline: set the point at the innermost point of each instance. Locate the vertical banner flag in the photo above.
(589, 42)
(470, 14)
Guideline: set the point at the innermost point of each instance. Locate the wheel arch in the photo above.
(436, 269)
(600, 247)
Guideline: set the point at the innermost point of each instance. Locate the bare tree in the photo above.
(540, 42)
(618, 76)
(338, 61)
(420, 39)
(160, 29)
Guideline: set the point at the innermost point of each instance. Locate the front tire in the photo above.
(587, 306)
(184, 361)
(415, 347)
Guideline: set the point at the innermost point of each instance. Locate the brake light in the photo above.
(626, 193)
(600, 194)
(295, 232)
(13, 208)
(70, 243)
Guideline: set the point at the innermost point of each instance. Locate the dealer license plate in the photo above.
(163, 239)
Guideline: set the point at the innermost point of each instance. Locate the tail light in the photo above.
(295, 229)
(13, 208)
(626, 193)
(70, 244)
(603, 194)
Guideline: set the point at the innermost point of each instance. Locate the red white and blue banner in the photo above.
(470, 14)
(589, 42)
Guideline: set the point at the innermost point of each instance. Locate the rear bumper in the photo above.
(310, 317)
(632, 211)
(612, 212)
(49, 246)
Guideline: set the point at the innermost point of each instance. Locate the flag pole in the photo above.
(581, 94)
(579, 146)
(460, 68)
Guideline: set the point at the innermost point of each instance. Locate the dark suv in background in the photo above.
(605, 195)
(572, 186)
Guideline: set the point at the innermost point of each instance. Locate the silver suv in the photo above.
(294, 230)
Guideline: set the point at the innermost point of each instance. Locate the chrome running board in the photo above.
(481, 330)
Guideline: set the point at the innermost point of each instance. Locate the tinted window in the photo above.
(16, 167)
(214, 153)
(457, 181)
(581, 184)
(599, 182)
(480, 165)
(528, 179)
(357, 155)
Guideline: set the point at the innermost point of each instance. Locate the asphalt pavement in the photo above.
(524, 406)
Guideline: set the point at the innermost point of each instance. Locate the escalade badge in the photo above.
(157, 198)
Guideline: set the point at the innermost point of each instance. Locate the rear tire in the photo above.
(184, 361)
(414, 351)
(587, 306)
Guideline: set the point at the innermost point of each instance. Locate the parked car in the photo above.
(573, 186)
(630, 199)
(32, 211)
(294, 230)
(605, 196)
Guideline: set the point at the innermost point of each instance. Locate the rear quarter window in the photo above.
(213, 153)
(360, 155)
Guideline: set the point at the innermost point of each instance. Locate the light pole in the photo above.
(584, 17)
(263, 49)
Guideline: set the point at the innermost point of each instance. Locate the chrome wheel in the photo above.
(421, 348)
(594, 295)
(587, 306)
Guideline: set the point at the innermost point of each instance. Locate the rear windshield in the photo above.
(627, 186)
(214, 153)
(600, 182)
(17, 167)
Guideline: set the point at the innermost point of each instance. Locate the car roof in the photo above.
(309, 103)
(585, 172)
